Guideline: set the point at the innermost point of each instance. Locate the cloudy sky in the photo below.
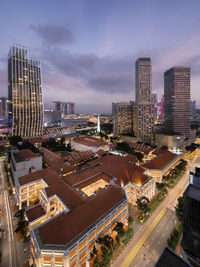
(88, 48)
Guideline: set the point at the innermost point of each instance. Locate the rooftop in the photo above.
(24, 155)
(90, 141)
(79, 219)
(193, 192)
(170, 258)
(56, 186)
(162, 160)
(35, 212)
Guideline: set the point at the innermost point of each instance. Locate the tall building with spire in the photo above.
(24, 94)
(145, 114)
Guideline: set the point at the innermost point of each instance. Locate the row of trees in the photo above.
(175, 236)
(54, 145)
(22, 223)
(123, 146)
(107, 244)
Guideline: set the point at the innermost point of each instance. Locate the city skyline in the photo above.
(88, 50)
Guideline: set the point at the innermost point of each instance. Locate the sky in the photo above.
(88, 48)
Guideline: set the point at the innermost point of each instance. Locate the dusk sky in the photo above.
(88, 48)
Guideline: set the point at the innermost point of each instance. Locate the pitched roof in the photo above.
(141, 148)
(35, 212)
(27, 154)
(162, 160)
(79, 219)
(90, 141)
(56, 186)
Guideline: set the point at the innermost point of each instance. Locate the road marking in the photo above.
(134, 251)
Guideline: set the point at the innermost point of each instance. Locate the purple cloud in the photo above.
(54, 35)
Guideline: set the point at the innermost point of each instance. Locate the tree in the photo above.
(139, 156)
(14, 140)
(179, 209)
(119, 228)
(94, 252)
(160, 186)
(69, 148)
(164, 148)
(123, 146)
(143, 204)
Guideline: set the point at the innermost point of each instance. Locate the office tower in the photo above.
(191, 224)
(177, 100)
(145, 111)
(154, 98)
(24, 94)
(123, 118)
(3, 107)
(192, 107)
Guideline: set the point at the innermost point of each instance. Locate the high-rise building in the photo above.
(154, 98)
(66, 108)
(3, 107)
(24, 94)
(192, 107)
(145, 108)
(123, 118)
(191, 224)
(177, 100)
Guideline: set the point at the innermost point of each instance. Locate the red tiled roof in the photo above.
(163, 159)
(141, 147)
(79, 156)
(90, 141)
(35, 141)
(56, 185)
(79, 219)
(28, 154)
(113, 166)
(34, 213)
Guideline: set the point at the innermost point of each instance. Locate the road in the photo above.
(151, 238)
(8, 243)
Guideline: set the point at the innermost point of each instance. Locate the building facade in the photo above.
(177, 100)
(191, 227)
(66, 108)
(124, 118)
(24, 94)
(145, 108)
(3, 107)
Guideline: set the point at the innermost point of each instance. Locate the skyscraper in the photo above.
(66, 108)
(3, 107)
(177, 100)
(191, 226)
(123, 118)
(24, 94)
(143, 95)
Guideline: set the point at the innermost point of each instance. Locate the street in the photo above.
(150, 239)
(8, 243)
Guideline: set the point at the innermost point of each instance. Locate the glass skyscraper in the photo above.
(25, 108)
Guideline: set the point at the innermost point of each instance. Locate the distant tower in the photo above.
(98, 125)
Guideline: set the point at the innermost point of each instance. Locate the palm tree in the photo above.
(119, 228)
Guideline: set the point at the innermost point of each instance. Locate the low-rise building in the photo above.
(68, 219)
(23, 162)
(84, 143)
(161, 165)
